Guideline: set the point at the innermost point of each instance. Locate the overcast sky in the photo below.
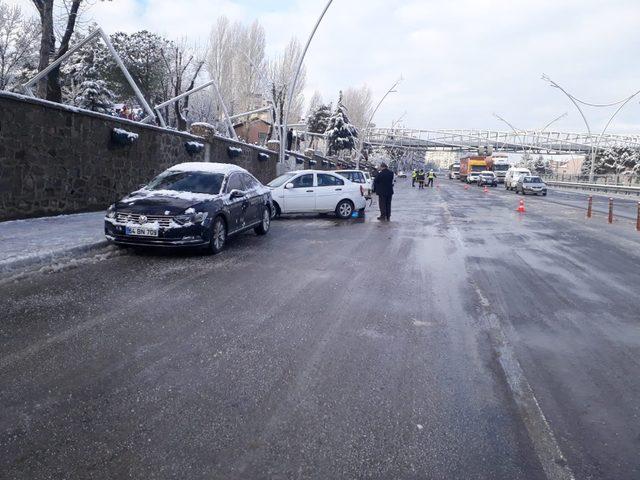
(461, 60)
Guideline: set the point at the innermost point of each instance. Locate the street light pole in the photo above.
(584, 118)
(621, 104)
(373, 114)
(294, 84)
(515, 131)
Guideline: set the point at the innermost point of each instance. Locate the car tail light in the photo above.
(361, 190)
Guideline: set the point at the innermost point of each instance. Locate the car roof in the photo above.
(296, 172)
(208, 167)
(347, 170)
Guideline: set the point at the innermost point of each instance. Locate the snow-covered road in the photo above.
(460, 340)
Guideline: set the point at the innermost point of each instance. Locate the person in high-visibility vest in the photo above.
(420, 178)
(414, 175)
(432, 175)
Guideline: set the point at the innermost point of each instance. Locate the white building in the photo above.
(441, 159)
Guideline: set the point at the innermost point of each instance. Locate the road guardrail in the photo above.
(597, 187)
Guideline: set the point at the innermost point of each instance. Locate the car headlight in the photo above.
(185, 218)
(111, 211)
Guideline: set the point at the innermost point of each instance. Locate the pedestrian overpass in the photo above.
(525, 141)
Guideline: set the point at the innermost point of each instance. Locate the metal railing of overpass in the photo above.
(517, 142)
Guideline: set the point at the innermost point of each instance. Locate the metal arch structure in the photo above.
(539, 142)
(97, 33)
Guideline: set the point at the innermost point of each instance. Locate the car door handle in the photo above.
(309, 191)
(338, 189)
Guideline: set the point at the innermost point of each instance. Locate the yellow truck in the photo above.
(470, 168)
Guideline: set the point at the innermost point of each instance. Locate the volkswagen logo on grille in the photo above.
(142, 219)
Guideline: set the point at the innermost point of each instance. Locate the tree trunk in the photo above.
(47, 41)
(49, 87)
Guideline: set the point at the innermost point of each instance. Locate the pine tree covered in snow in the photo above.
(83, 86)
(318, 120)
(614, 161)
(341, 134)
(95, 96)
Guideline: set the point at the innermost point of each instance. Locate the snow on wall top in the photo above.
(224, 168)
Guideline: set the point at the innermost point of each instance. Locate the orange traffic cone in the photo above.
(521, 208)
(486, 190)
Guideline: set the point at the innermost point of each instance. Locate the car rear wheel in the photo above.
(278, 210)
(218, 235)
(265, 224)
(344, 209)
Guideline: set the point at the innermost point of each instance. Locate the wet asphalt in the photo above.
(332, 349)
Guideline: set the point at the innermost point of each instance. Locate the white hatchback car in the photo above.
(316, 191)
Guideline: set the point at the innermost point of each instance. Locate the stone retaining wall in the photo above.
(56, 159)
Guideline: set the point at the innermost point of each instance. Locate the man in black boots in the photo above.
(383, 187)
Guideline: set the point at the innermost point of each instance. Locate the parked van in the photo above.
(513, 174)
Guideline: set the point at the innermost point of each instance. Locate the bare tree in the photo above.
(314, 103)
(281, 72)
(358, 102)
(184, 65)
(236, 60)
(250, 60)
(49, 87)
(18, 40)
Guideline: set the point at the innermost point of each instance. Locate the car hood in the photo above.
(162, 202)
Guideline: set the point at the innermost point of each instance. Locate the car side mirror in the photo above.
(289, 186)
(236, 194)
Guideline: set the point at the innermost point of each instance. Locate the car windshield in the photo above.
(477, 168)
(501, 168)
(532, 180)
(487, 174)
(193, 182)
(281, 180)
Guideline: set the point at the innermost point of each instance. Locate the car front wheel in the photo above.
(265, 224)
(344, 209)
(218, 235)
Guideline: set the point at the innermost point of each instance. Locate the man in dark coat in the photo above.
(383, 187)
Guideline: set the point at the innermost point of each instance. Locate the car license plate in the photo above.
(142, 231)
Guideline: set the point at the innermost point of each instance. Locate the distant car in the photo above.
(512, 176)
(472, 177)
(317, 191)
(487, 178)
(191, 205)
(360, 177)
(401, 175)
(531, 184)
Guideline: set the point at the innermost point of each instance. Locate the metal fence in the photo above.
(608, 180)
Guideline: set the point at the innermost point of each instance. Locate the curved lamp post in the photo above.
(373, 114)
(576, 102)
(294, 84)
(515, 131)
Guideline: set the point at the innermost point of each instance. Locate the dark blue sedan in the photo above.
(191, 205)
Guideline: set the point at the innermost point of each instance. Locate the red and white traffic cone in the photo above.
(466, 186)
(521, 208)
(486, 190)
